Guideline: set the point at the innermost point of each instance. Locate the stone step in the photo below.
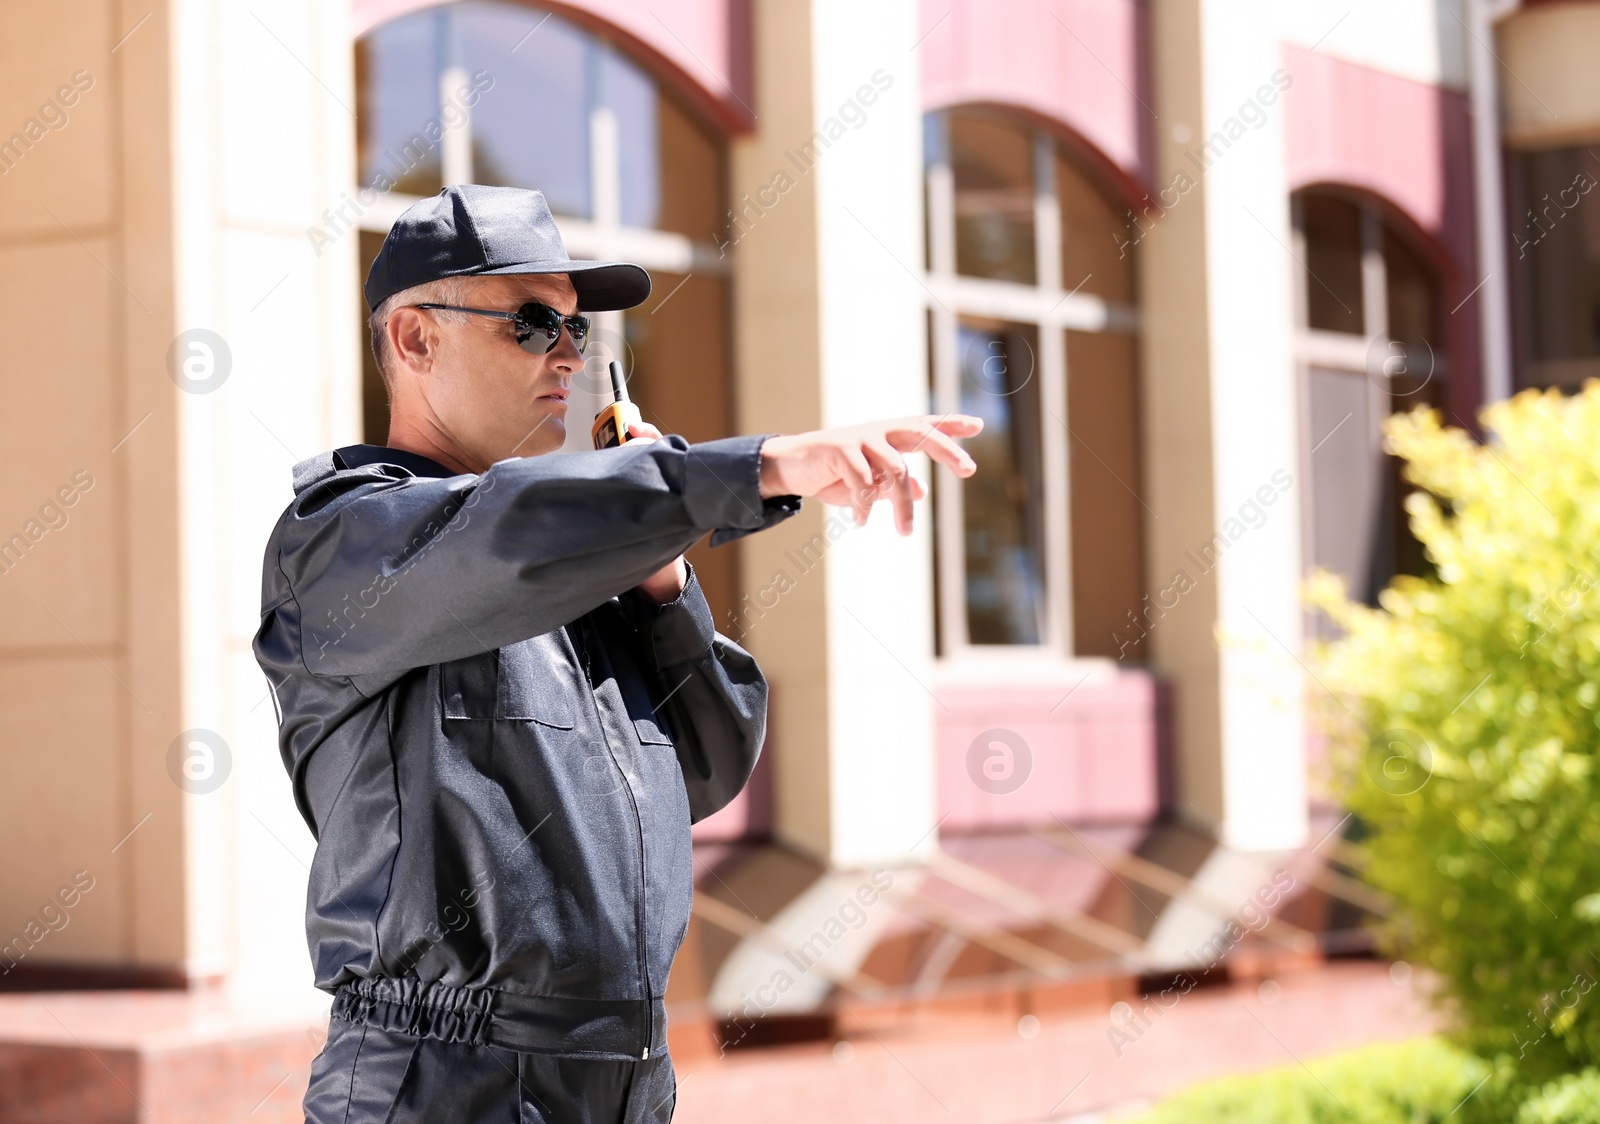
(155, 1057)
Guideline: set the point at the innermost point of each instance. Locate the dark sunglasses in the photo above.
(537, 325)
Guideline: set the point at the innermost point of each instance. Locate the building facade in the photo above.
(1182, 256)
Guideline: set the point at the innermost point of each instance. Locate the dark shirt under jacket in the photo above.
(497, 742)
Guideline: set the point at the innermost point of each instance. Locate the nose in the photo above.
(564, 356)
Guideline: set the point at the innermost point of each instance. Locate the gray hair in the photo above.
(446, 290)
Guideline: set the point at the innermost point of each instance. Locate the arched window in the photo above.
(507, 94)
(1368, 344)
(1556, 290)
(1031, 328)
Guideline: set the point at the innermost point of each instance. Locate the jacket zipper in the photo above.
(585, 628)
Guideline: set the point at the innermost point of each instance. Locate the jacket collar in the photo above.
(323, 465)
(359, 456)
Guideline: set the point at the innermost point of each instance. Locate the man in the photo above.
(500, 696)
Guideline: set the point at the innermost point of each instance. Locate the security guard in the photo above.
(501, 698)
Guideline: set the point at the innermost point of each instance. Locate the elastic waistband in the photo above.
(485, 1016)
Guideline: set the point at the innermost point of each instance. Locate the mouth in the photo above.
(555, 396)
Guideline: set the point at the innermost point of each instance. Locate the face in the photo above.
(472, 385)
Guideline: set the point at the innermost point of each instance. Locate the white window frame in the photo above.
(1344, 352)
(1051, 310)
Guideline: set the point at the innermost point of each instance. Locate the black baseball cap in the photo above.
(471, 229)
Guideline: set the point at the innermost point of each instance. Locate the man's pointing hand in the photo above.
(857, 465)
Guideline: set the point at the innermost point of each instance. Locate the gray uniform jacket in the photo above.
(498, 744)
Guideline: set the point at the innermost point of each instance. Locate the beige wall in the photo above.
(88, 635)
(1549, 77)
(176, 196)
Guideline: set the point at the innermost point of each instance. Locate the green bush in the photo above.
(1466, 725)
(1574, 1099)
(1426, 1081)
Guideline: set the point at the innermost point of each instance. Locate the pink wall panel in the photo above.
(702, 46)
(1349, 124)
(1080, 63)
(1409, 144)
(1093, 758)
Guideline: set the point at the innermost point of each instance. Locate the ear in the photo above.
(412, 340)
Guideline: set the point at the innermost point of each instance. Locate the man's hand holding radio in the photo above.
(666, 583)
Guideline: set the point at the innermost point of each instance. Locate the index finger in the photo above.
(929, 433)
(956, 425)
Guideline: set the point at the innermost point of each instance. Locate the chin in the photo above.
(551, 436)
(537, 437)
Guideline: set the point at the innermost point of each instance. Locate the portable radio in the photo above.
(611, 423)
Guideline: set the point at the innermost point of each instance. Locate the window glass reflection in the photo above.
(1408, 287)
(549, 91)
(1333, 264)
(1356, 518)
(631, 96)
(531, 129)
(397, 83)
(991, 162)
(1096, 254)
(692, 179)
(1003, 515)
(679, 369)
(1107, 515)
(1555, 239)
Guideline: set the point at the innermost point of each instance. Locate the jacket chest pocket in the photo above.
(530, 681)
(650, 722)
(652, 730)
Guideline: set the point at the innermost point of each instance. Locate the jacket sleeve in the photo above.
(714, 697)
(390, 573)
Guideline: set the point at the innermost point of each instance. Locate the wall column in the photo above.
(829, 324)
(1222, 438)
(89, 649)
(265, 128)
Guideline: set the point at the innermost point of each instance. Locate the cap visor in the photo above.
(602, 286)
